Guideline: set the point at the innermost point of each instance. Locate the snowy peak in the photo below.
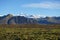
(36, 16)
(31, 16)
(28, 19)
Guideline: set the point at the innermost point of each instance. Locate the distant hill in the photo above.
(10, 19)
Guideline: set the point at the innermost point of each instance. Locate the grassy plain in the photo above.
(29, 32)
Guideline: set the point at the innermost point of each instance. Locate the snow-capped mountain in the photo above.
(32, 16)
(31, 19)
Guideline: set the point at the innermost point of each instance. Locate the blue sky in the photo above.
(35, 7)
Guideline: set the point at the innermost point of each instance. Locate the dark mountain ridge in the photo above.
(10, 19)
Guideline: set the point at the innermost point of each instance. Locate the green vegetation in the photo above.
(13, 32)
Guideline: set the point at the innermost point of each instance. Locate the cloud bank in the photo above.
(50, 5)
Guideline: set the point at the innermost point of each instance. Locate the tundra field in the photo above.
(30, 32)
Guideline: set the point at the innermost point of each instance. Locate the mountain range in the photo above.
(10, 19)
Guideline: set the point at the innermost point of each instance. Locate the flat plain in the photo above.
(30, 32)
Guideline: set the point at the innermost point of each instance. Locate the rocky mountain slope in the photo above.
(10, 19)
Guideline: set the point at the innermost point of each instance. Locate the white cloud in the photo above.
(43, 5)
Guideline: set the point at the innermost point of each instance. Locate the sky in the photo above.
(30, 7)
